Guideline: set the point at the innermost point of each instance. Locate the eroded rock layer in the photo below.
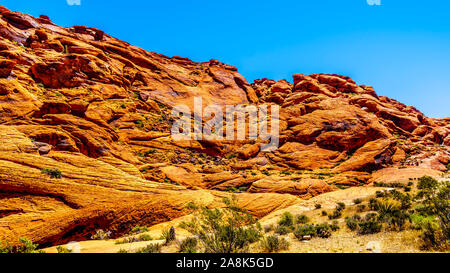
(85, 137)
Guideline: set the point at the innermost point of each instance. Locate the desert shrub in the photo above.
(134, 239)
(318, 206)
(352, 222)
(360, 207)
(138, 229)
(324, 213)
(418, 221)
(373, 204)
(5, 247)
(404, 199)
(168, 235)
(323, 230)
(53, 173)
(336, 214)
(304, 230)
(283, 230)
(286, 219)
(188, 245)
(379, 194)
(100, 234)
(302, 219)
(273, 243)
(370, 226)
(357, 201)
(434, 199)
(230, 230)
(25, 246)
(145, 237)
(62, 249)
(334, 226)
(391, 213)
(151, 248)
(340, 206)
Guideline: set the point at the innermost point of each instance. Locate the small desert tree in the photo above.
(434, 197)
(228, 230)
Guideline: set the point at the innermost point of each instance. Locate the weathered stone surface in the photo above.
(99, 110)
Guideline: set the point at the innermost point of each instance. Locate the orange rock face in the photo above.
(97, 110)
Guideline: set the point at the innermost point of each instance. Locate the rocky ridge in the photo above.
(96, 110)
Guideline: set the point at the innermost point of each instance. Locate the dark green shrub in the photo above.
(302, 219)
(287, 219)
(340, 206)
(369, 227)
(61, 249)
(357, 201)
(318, 206)
(323, 230)
(324, 213)
(139, 229)
(230, 230)
(334, 226)
(352, 222)
(373, 204)
(434, 199)
(151, 248)
(188, 245)
(336, 214)
(53, 173)
(25, 246)
(360, 207)
(273, 243)
(304, 230)
(283, 230)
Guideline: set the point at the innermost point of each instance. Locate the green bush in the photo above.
(323, 230)
(357, 201)
(340, 206)
(318, 206)
(139, 229)
(151, 248)
(304, 230)
(273, 243)
(283, 230)
(373, 204)
(188, 245)
(334, 226)
(336, 214)
(53, 173)
(352, 222)
(61, 249)
(360, 207)
(230, 230)
(302, 219)
(369, 227)
(25, 246)
(287, 219)
(434, 199)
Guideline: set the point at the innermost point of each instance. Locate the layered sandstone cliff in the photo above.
(97, 110)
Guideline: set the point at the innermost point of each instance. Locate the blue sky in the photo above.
(401, 47)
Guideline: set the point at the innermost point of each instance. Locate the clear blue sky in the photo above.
(402, 47)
